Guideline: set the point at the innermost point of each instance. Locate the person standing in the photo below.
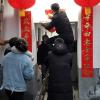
(59, 63)
(42, 54)
(17, 71)
(60, 21)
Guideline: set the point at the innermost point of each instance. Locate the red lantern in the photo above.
(21, 4)
(87, 3)
(98, 1)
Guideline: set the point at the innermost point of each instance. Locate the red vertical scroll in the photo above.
(26, 29)
(87, 41)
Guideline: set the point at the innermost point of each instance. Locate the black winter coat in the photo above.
(42, 53)
(60, 84)
(63, 27)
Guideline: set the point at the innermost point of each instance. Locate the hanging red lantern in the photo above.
(87, 3)
(99, 1)
(21, 4)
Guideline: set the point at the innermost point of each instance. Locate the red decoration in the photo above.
(49, 12)
(87, 42)
(87, 3)
(26, 29)
(21, 4)
(52, 29)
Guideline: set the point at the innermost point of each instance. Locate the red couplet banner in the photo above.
(26, 28)
(87, 41)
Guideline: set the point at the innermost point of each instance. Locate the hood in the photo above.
(60, 49)
(15, 50)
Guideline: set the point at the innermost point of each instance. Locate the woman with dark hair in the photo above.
(17, 70)
(21, 45)
(12, 43)
(59, 64)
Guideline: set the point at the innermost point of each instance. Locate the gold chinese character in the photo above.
(86, 65)
(26, 29)
(87, 25)
(87, 33)
(86, 49)
(87, 42)
(87, 17)
(26, 21)
(87, 57)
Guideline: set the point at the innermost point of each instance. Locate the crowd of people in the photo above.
(55, 55)
(61, 60)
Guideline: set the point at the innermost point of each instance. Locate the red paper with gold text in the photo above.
(87, 43)
(26, 28)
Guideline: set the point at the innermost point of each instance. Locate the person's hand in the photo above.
(50, 16)
(6, 41)
(3, 42)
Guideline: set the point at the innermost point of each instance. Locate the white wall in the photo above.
(10, 25)
(34, 45)
(38, 10)
(11, 21)
(96, 37)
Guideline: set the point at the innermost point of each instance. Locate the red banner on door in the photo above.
(26, 29)
(87, 41)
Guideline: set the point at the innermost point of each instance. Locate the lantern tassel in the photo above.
(21, 12)
(87, 10)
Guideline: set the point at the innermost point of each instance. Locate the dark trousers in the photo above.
(44, 70)
(14, 95)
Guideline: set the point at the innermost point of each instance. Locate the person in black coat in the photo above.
(62, 25)
(42, 53)
(59, 64)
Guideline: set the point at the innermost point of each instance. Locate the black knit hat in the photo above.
(55, 7)
(60, 47)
